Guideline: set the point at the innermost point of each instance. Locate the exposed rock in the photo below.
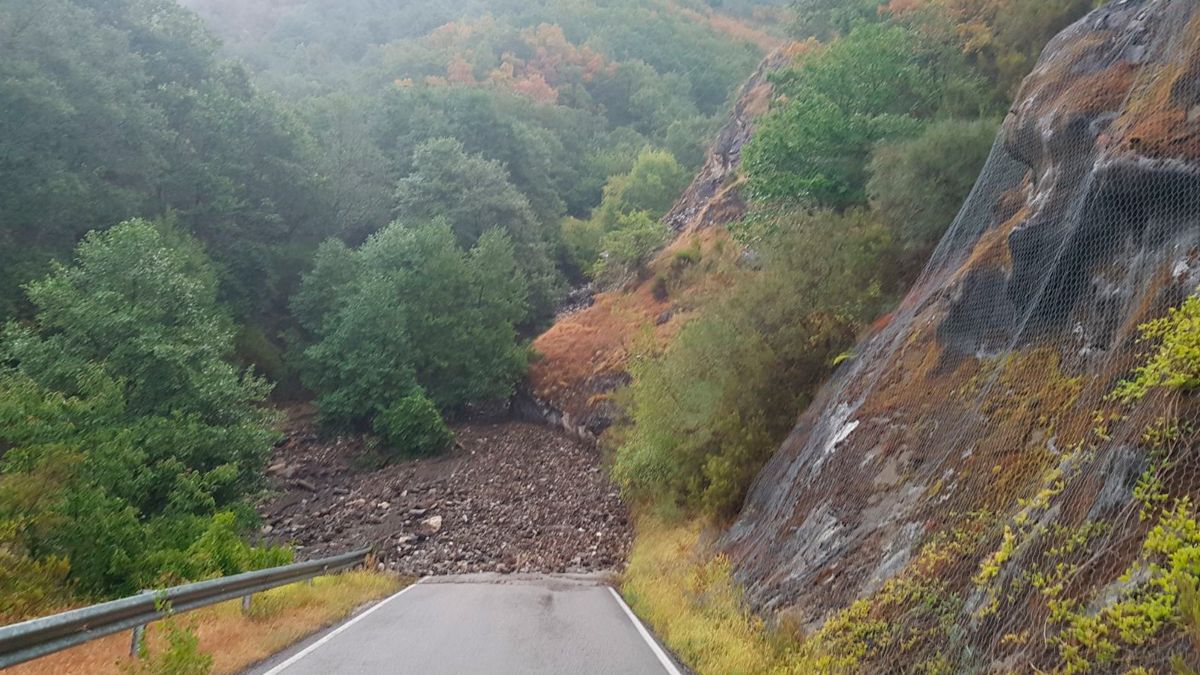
(972, 416)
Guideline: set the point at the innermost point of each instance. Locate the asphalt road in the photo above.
(486, 624)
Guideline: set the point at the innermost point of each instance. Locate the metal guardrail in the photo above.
(38, 637)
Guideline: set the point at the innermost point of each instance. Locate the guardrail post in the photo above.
(246, 603)
(135, 644)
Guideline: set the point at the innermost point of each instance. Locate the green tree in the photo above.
(880, 82)
(474, 196)
(411, 314)
(472, 193)
(121, 379)
(826, 19)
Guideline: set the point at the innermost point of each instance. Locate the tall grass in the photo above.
(689, 597)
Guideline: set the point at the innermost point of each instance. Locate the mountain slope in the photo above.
(582, 358)
(977, 489)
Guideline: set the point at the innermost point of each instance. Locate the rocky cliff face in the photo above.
(582, 357)
(967, 494)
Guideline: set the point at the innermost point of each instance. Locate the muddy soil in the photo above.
(510, 497)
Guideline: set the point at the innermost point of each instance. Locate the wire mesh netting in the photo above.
(1005, 476)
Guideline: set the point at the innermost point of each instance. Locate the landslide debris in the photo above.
(510, 497)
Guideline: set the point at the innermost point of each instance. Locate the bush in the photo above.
(584, 241)
(413, 426)
(708, 411)
(30, 587)
(1175, 362)
(619, 226)
(629, 247)
(918, 186)
(219, 551)
(181, 654)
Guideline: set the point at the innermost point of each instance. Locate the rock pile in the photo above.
(510, 497)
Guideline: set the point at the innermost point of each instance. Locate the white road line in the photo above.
(332, 634)
(665, 660)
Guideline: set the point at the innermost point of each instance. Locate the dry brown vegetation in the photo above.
(596, 342)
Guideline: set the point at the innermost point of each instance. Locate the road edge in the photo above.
(334, 632)
(668, 663)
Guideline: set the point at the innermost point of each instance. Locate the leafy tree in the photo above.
(411, 314)
(474, 196)
(500, 127)
(918, 185)
(879, 82)
(1001, 38)
(120, 385)
(122, 109)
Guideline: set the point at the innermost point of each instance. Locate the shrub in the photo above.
(583, 240)
(413, 426)
(620, 225)
(918, 185)
(708, 411)
(219, 551)
(661, 290)
(30, 587)
(630, 247)
(1175, 363)
(181, 654)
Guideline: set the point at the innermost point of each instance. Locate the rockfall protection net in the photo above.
(981, 487)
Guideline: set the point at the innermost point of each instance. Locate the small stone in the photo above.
(433, 524)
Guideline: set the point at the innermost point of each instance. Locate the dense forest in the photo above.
(376, 205)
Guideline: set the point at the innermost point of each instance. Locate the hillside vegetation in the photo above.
(1000, 475)
(873, 139)
(212, 207)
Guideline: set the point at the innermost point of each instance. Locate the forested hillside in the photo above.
(879, 314)
(372, 206)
